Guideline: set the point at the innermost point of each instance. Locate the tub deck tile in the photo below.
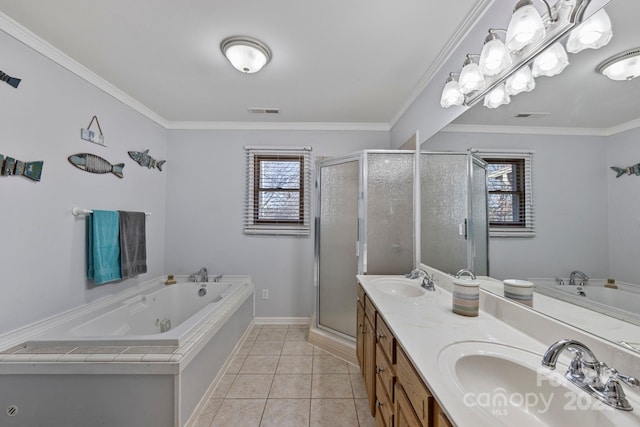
(14, 349)
(98, 349)
(157, 357)
(125, 357)
(98, 357)
(54, 349)
(150, 349)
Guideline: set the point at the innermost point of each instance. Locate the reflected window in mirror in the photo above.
(509, 194)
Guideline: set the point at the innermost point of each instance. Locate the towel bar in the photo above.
(80, 211)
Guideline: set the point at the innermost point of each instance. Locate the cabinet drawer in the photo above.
(386, 339)
(370, 311)
(360, 295)
(384, 407)
(405, 416)
(384, 370)
(418, 394)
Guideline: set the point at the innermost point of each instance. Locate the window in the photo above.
(509, 194)
(278, 191)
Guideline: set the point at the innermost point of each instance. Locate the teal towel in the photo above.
(104, 247)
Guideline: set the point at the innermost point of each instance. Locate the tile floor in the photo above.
(278, 379)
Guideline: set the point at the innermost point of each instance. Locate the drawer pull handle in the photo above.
(380, 336)
(379, 369)
(378, 403)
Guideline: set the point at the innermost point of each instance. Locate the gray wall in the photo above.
(570, 196)
(205, 202)
(624, 207)
(42, 256)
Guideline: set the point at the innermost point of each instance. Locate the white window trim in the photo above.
(527, 155)
(249, 226)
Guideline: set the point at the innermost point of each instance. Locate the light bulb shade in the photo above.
(521, 81)
(526, 27)
(497, 97)
(494, 58)
(247, 55)
(593, 33)
(550, 62)
(471, 79)
(624, 66)
(451, 94)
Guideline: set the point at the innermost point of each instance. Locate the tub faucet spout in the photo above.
(580, 275)
(200, 276)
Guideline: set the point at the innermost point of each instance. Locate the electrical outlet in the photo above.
(265, 294)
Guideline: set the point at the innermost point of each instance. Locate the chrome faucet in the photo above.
(200, 276)
(428, 281)
(579, 274)
(603, 383)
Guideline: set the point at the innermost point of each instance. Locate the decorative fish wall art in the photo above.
(629, 170)
(11, 81)
(95, 164)
(144, 159)
(11, 166)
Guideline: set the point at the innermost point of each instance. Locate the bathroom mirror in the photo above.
(579, 124)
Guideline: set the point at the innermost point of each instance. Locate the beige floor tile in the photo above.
(333, 412)
(295, 365)
(250, 387)
(239, 413)
(259, 365)
(286, 413)
(331, 386)
(275, 326)
(246, 346)
(272, 334)
(354, 369)
(327, 364)
(267, 348)
(208, 413)
(297, 348)
(364, 414)
(358, 386)
(291, 387)
(236, 364)
(223, 386)
(297, 335)
(299, 326)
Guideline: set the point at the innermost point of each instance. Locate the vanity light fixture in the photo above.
(623, 66)
(551, 62)
(451, 94)
(494, 57)
(532, 40)
(593, 33)
(471, 78)
(246, 54)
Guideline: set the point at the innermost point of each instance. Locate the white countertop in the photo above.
(424, 326)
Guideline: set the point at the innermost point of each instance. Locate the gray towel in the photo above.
(133, 244)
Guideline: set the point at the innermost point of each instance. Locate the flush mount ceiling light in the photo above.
(246, 54)
(532, 40)
(623, 66)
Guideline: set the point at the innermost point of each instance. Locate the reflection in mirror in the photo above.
(578, 124)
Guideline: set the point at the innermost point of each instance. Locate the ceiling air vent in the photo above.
(264, 110)
(530, 115)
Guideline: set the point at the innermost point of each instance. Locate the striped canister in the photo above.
(466, 297)
(519, 290)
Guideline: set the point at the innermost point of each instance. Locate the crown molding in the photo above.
(444, 54)
(30, 39)
(623, 127)
(543, 130)
(279, 126)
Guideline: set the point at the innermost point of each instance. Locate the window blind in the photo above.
(278, 190)
(510, 192)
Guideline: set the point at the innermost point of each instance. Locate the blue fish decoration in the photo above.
(11, 166)
(629, 170)
(95, 164)
(144, 159)
(11, 81)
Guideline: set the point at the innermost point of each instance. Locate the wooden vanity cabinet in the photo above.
(397, 395)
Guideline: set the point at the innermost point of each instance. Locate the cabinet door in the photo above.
(370, 363)
(439, 418)
(360, 335)
(405, 417)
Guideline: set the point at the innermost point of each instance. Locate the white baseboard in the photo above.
(281, 320)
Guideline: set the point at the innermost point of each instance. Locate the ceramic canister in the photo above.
(519, 290)
(466, 297)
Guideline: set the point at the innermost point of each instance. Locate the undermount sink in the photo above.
(509, 386)
(399, 287)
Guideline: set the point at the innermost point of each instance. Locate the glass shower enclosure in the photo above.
(364, 225)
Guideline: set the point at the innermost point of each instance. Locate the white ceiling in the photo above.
(356, 61)
(334, 62)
